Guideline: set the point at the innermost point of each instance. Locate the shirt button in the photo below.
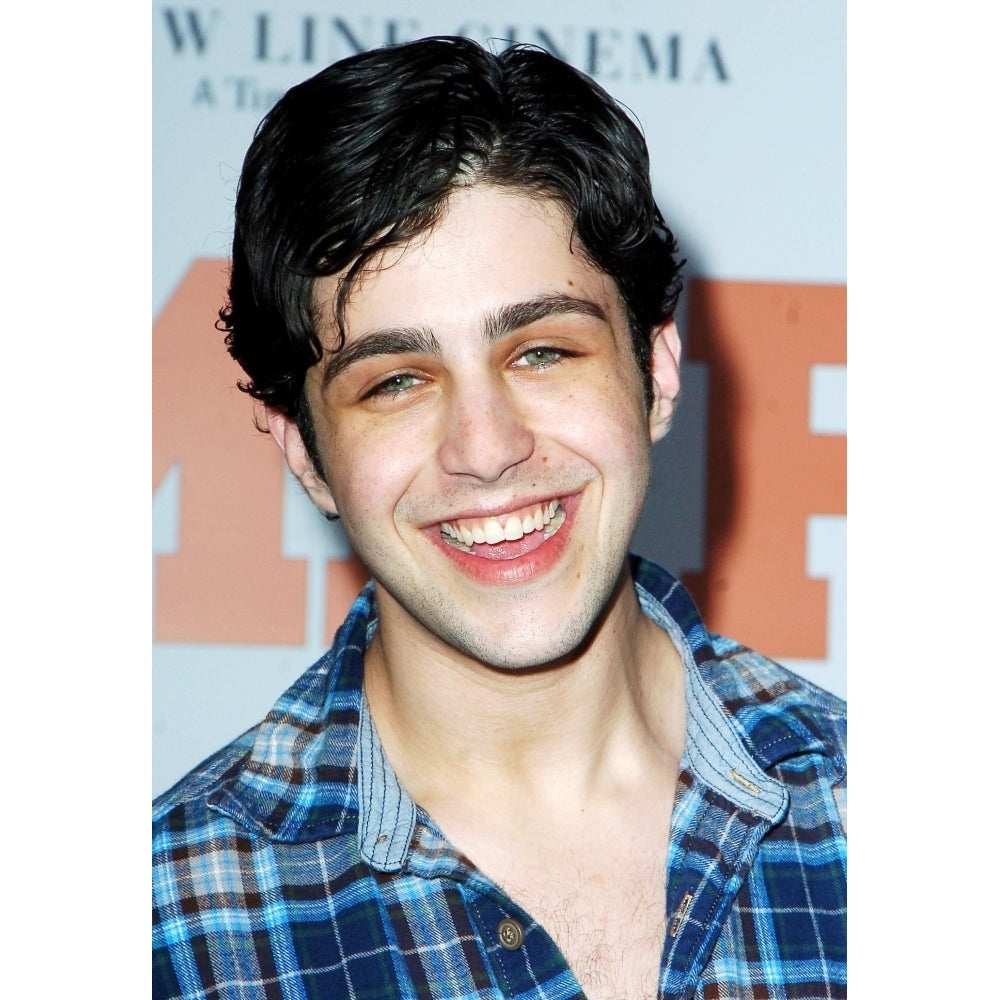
(511, 933)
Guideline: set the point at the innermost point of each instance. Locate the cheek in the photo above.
(611, 419)
(370, 472)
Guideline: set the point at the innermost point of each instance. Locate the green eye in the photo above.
(541, 356)
(394, 384)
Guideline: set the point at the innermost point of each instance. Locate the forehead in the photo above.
(491, 247)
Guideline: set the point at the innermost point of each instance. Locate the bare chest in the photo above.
(605, 913)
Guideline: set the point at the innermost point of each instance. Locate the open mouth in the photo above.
(541, 520)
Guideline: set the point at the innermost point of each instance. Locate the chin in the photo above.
(543, 644)
(525, 661)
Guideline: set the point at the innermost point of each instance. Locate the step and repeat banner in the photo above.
(743, 108)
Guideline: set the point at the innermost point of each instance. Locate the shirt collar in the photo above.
(388, 815)
(722, 762)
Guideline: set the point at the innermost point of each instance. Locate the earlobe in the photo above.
(665, 369)
(288, 438)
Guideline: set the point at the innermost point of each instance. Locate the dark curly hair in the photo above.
(362, 157)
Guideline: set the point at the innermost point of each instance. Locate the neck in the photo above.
(559, 735)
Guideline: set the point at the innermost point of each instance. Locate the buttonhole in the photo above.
(680, 913)
(745, 782)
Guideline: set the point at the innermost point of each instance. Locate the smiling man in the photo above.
(524, 769)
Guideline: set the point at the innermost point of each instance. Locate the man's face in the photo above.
(483, 431)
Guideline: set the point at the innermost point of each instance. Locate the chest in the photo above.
(604, 908)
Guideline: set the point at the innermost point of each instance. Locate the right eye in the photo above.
(393, 385)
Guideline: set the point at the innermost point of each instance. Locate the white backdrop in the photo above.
(743, 107)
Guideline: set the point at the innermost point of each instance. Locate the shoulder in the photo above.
(796, 732)
(771, 681)
(199, 783)
(186, 827)
(778, 710)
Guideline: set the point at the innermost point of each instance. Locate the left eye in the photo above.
(540, 356)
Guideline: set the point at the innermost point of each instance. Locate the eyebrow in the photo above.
(421, 340)
(401, 340)
(521, 314)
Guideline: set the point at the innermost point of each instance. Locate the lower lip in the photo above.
(503, 563)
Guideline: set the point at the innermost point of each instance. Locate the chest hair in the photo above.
(607, 917)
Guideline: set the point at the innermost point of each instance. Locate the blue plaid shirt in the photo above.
(293, 864)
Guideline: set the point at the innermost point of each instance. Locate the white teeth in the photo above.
(548, 517)
(494, 530)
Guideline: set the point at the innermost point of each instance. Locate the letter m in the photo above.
(189, 27)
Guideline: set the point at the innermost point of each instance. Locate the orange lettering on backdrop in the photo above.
(766, 472)
(228, 581)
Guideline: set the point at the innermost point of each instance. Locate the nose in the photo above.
(484, 433)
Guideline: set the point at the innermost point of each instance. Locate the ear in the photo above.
(287, 437)
(665, 369)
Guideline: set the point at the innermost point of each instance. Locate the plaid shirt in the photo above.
(293, 864)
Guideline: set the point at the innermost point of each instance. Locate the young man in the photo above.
(524, 769)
